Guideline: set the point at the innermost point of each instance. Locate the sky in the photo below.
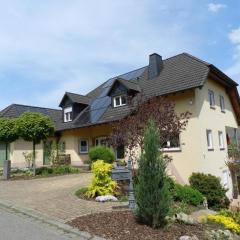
(49, 47)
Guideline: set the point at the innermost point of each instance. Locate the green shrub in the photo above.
(81, 191)
(152, 193)
(210, 186)
(187, 194)
(101, 152)
(44, 171)
(65, 169)
(102, 184)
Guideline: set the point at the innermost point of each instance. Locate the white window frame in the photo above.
(225, 179)
(222, 104)
(99, 140)
(211, 98)
(67, 114)
(209, 139)
(120, 101)
(221, 140)
(172, 149)
(79, 145)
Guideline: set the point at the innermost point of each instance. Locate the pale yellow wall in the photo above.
(214, 161)
(186, 160)
(16, 153)
(194, 155)
(72, 137)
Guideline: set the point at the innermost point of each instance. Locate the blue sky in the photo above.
(48, 47)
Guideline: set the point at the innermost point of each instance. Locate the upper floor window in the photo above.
(209, 139)
(211, 98)
(222, 104)
(68, 114)
(119, 101)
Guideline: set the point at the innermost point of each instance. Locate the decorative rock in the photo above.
(106, 198)
(188, 238)
(221, 234)
(185, 218)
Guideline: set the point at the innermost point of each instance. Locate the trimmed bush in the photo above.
(101, 152)
(210, 186)
(187, 195)
(102, 183)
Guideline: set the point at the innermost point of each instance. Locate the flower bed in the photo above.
(122, 225)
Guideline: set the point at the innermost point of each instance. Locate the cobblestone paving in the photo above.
(52, 196)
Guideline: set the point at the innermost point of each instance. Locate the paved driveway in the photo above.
(17, 226)
(52, 196)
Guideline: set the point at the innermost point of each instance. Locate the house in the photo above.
(194, 85)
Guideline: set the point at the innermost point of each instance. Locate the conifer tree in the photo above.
(151, 191)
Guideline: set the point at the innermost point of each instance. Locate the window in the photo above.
(119, 101)
(120, 152)
(101, 141)
(68, 114)
(211, 98)
(222, 104)
(83, 146)
(172, 144)
(61, 147)
(221, 140)
(225, 178)
(209, 140)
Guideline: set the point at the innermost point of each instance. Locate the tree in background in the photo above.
(34, 127)
(130, 130)
(8, 132)
(152, 191)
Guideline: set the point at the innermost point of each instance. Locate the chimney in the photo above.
(155, 65)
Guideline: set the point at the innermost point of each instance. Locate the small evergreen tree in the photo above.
(152, 191)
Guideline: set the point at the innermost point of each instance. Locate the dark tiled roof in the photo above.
(15, 110)
(178, 73)
(76, 98)
(130, 85)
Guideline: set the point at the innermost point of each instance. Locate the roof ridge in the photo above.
(23, 105)
(77, 94)
(196, 59)
(128, 72)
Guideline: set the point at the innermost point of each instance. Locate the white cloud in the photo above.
(216, 7)
(75, 45)
(234, 36)
(234, 70)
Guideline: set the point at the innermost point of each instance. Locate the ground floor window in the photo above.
(172, 144)
(61, 147)
(209, 139)
(221, 140)
(120, 152)
(225, 179)
(83, 146)
(101, 141)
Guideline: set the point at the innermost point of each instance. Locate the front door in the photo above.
(2, 153)
(47, 152)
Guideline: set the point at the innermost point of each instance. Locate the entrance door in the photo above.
(47, 152)
(2, 153)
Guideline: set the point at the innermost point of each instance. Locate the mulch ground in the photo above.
(121, 225)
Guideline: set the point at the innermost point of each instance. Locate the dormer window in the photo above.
(68, 114)
(119, 101)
